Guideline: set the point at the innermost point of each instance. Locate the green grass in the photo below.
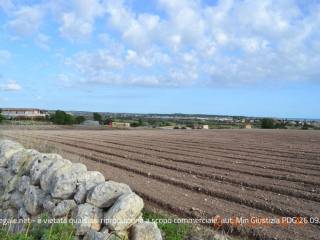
(39, 231)
(171, 231)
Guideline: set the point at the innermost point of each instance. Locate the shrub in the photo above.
(134, 124)
(267, 123)
(1, 118)
(97, 117)
(305, 126)
(62, 118)
(80, 119)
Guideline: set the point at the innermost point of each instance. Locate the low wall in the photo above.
(33, 183)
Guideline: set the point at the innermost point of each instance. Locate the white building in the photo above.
(12, 113)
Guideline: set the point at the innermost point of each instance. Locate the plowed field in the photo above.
(204, 173)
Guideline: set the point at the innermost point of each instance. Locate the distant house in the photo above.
(26, 113)
(120, 124)
(248, 126)
(199, 126)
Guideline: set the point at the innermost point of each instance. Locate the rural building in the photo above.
(120, 124)
(29, 113)
(248, 126)
(205, 126)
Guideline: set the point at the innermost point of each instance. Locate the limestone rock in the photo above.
(145, 231)
(9, 213)
(5, 177)
(86, 182)
(47, 174)
(21, 161)
(64, 180)
(88, 218)
(33, 199)
(10, 183)
(23, 183)
(7, 149)
(81, 194)
(124, 212)
(40, 164)
(63, 208)
(16, 199)
(105, 194)
(94, 235)
(49, 203)
(22, 214)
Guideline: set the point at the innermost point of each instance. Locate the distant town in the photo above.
(25, 116)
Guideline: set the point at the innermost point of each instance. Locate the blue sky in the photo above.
(244, 57)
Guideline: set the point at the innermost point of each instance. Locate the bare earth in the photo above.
(205, 173)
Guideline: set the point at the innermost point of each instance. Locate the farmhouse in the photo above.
(30, 113)
(120, 124)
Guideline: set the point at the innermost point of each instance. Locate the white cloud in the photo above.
(179, 42)
(6, 5)
(139, 30)
(27, 20)
(10, 86)
(78, 22)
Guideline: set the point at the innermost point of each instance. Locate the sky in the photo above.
(227, 57)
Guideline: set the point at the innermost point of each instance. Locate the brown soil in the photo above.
(205, 173)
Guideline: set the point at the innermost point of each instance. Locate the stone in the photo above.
(16, 199)
(91, 179)
(86, 182)
(49, 203)
(94, 235)
(105, 194)
(21, 160)
(7, 149)
(22, 214)
(46, 176)
(124, 212)
(64, 180)
(145, 231)
(63, 208)
(5, 178)
(81, 194)
(88, 217)
(23, 183)
(40, 164)
(10, 183)
(9, 213)
(33, 199)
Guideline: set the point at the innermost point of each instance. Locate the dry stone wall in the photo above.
(33, 183)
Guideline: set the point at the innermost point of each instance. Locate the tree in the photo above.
(1, 118)
(140, 122)
(267, 123)
(62, 118)
(97, 117)
(305, 126)
(69, 119)
(80, 119)
(59, 117)
(134, 124)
